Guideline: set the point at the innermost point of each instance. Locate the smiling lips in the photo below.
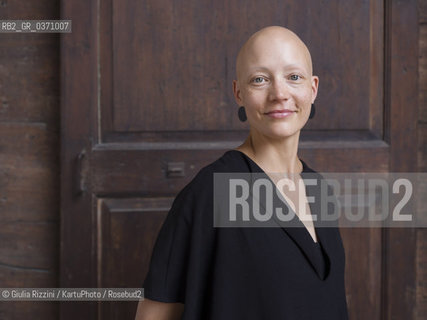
(280, 113)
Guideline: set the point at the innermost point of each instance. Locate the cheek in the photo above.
(253, 98)
(304, 98)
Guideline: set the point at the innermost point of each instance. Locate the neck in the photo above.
(273, 155)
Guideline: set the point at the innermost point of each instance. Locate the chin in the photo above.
(285, 130)
(282, 134)
(278, 130)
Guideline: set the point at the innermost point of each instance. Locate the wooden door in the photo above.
(147, 102)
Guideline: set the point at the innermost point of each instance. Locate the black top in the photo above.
(243, 273)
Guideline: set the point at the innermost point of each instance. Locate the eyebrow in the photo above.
(288, 67)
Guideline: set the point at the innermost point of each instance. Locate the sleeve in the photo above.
(166, 278)
(182, 258)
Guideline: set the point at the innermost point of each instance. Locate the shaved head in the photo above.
(275, 82)
(267, 38)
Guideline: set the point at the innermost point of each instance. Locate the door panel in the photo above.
(147, 102)
(168, 68)
(127, 230)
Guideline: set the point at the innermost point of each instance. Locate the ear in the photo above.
(237, 92)
(314, 87)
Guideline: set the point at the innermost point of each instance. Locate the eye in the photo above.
(258, 80)
(295, 77)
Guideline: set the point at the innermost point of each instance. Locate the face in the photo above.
(275, 84)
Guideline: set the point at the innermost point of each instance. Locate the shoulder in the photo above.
(306, 168)
(309, 173)
(230, 161)
(199, 191)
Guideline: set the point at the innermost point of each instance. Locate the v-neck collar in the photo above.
(295, 228)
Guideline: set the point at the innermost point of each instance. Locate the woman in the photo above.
(201, 272)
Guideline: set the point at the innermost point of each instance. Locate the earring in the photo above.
(312, 111)
(242, 114)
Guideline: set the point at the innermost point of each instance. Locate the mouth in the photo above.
(280, 113)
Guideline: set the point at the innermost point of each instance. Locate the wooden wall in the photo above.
(421, 290)
(29, 159)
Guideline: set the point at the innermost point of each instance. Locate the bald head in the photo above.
(262, 44)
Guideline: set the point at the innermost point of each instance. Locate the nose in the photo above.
(279, 90)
